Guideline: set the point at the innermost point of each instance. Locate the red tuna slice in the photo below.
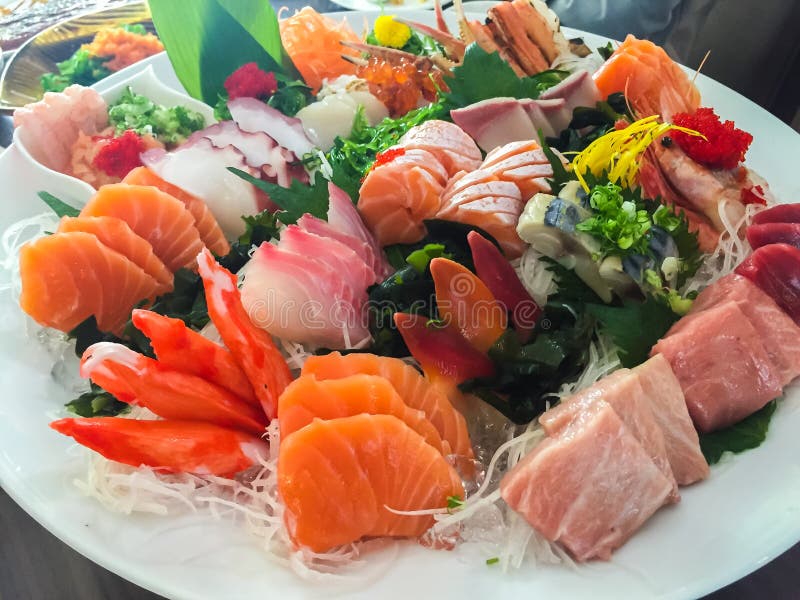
(495, 122)
(448, 142)
(774, 233)
(724, 370)
(626, 396)
(299, 298)
(663, 392)
(590, 487)
(776, 270)
(779, 333)
(782, 213)
(333, 253)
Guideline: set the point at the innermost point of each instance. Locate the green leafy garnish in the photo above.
(606, 51)
(745, 435)
(590, 123)
(468, 83)
(171, 126)
(454, 502)
(620, 223)
(260, 228)
(191, 33)
(61, 208)
(96, 403)
(296, 200)
(492, 561)
(81, 68)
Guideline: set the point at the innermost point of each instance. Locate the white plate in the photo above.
(747, 513)
(387, 7)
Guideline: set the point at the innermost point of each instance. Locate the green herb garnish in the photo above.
(171, 126)
(621, 224)
(492, 561)
(81, 68)
(296, 200)
(745, 435)
(61, 208)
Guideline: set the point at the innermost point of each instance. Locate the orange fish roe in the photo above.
(401, 86)
(724, 146)
(126, 47)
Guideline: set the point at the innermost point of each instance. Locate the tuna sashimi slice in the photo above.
(495, 122)
(448, 142)
(337, 477)
(776, 270)
(782, 213)
(724, 370)
(626, 396)
(590, 487)
(663, 391)
(781, 336)
(774, 233)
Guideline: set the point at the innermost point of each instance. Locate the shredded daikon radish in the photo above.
(535, 276)
(603, 359)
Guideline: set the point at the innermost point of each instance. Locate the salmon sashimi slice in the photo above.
(136, 379)
(204, 220)
(175, 446)
(450, 144)
(157, 217)
(590, 487)
(69, 277)
(308, 398)
(117, 235)
(182, 349)
(652, 82)
(396, 197)
(465, 303)
(663, 391)
(253, 348)
(524, 164)
(416, 391)
(360, 465)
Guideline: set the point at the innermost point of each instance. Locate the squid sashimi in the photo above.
(175, 446)
(69, 277)
(652, 82)
(450, 144)
(155, 216)
(136, 379)
(413, 388)
(360, 465)
(308, 398)
(204, 220)
(300, 298)
(117, 235)
(253, 348)
(182, 349)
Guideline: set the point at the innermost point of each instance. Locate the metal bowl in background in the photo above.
(19, 82)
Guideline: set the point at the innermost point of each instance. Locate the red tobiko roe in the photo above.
(248, 81)
(119, 155)
(724, 146)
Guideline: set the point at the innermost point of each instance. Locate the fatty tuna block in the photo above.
(663, 390)
(723, 368)
(626, 396)
(779, 333)
(776, 270)
(589, 487)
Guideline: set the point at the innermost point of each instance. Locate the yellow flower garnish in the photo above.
(390, 33)
(620, 152)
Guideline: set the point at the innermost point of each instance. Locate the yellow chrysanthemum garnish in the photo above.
(390, 33)
(619, 152)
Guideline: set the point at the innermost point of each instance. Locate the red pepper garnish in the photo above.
(724, 146)
(248, 81)
(754, 195)
(120, 155)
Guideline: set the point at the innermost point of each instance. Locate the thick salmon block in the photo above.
(668, 405)
(778, 331)
(590, 487)
(723, 368)
(626, 396)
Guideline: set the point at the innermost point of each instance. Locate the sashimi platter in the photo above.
(431, 303)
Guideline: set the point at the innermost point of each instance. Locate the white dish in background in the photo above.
(747, 513)
(142, 81)
(387, 7)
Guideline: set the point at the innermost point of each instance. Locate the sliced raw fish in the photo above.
(448, 142)
(774, 233)
(663, 391)
(555, 112)
(523, 164)
(590, 487)
(725, 372)
(254, 116)
(776, 270)
(495, 122)
(781, 213)
(579, 89)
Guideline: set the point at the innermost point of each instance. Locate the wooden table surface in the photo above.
(34, 565)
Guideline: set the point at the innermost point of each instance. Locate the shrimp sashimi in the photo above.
(175, 446)
(252, 347)
(136, 379)
(182, 349)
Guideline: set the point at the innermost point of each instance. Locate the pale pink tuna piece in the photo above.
(590, 487)
(448, 142)
(299, 298)
(579, 89)
(626, 396)
(663, 391)
(723, 368)
(780, 334)
(495, 122)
